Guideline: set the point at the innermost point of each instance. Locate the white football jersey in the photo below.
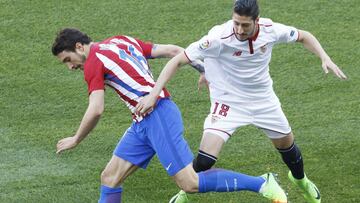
(239, 70)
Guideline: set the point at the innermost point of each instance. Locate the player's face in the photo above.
(244, 26)
(73, 60)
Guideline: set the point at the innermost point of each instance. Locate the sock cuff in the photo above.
(110, 190)
(207, 155)
(287, 149)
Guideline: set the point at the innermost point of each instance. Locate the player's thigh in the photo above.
(116, 171)
(165, 133)
(224, 118)
(269, 117)
(134, 147)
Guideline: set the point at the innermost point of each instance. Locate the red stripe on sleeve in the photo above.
(146, 47)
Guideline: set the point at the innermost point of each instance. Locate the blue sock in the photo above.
(220, 180)
(110, 195)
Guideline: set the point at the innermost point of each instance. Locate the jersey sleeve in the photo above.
(94, 75)
(285, 34)
(146, 47)
(204, 48)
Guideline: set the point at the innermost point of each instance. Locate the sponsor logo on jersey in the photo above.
(105, 46)
(237, 53)
(204, 45)
(292, 33)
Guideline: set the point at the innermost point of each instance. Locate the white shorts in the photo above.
(226, 117)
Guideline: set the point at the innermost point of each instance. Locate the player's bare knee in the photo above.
(110, 179)
(187, 179)
(189, 186)
(284, 142)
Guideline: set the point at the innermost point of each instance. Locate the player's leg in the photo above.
(166, 138)
(216, 180)
(210, 147)
(274, 123)
(270, 117)
(219, 125)
(220, 180)
(131, 153)
(114, 174)
(290, 153)
(292, 157)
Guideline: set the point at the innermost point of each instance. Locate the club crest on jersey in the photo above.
(263, 48)
(204, 45)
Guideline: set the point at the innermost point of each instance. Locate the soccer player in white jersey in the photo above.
(237, 56)
(120, 62)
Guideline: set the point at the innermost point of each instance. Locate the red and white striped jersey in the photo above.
(121, 63)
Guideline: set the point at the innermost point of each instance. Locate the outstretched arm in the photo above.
(170, 51)
(313, 45)
(89, 121)
(165, 50)
(148, 102)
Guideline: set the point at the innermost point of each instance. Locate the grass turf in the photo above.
(41, 102)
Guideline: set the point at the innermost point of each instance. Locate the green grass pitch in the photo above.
(41, 101)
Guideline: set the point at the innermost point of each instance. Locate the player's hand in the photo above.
(145, 105)
(65, 144)
(327, 65)
(202, 82)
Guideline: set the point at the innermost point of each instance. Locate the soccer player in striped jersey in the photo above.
(120, 62)
(237, 56)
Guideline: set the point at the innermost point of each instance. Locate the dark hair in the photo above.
(66, 40)
(247, 8)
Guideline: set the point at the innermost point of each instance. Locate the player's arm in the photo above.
(313, 45)
(170, 51)
(89, 121)
(165, 50)
(147, 103)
